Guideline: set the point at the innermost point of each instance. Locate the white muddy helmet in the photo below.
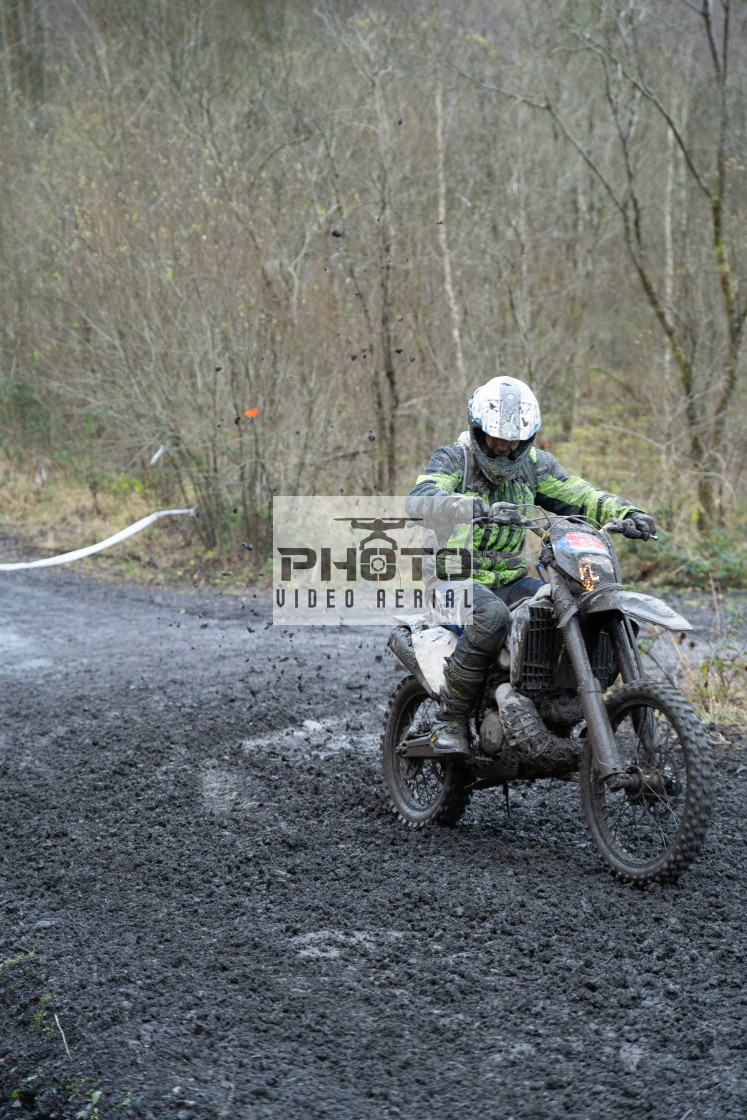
(506, 408)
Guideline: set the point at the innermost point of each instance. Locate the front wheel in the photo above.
(421, 791)
(654, 832)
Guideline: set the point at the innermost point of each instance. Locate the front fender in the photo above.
(641, 607)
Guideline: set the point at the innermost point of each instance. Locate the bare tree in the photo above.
(626, 42)
(214, 209)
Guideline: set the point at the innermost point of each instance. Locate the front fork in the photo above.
(625, 648)
(603, 745)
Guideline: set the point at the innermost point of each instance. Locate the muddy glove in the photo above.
(639, 526)
(466, 509)
(505, 513)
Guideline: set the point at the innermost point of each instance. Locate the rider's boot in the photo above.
(464, 678)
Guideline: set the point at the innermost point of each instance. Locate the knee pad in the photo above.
(490, 619)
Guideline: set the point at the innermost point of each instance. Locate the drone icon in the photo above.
(377, 528)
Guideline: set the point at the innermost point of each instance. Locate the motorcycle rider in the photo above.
(495, 461)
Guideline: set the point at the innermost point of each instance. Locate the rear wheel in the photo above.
(654, 832)
(421, 791)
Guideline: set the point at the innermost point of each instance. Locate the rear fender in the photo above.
(423, 652)
(432, 647)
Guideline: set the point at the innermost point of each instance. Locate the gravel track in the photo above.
(227, 922)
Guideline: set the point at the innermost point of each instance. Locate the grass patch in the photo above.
(10, 961)
(715, 684)
(717, 558)
(63, 515)
(719, 686)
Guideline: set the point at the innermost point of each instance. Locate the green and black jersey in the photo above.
(497, 549)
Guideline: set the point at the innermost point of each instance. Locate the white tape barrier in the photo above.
(79, 553)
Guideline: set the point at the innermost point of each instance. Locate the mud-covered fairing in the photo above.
(582, 553)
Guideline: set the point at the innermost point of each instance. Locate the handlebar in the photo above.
(505, 513)
(525, 522)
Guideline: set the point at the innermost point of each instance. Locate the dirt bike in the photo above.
(640, 753)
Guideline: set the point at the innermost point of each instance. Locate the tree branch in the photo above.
(601, 50)
(548, 107)
(442, 239)
(705, 12)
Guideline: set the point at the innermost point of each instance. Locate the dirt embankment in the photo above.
(225, 920)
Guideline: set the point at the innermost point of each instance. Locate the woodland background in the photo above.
(347, 216)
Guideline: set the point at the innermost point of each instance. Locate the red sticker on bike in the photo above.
(580, 542)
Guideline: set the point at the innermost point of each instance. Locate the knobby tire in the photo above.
(694, 794)
(420, 792)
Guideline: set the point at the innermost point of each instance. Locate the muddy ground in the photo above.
(226, 921)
